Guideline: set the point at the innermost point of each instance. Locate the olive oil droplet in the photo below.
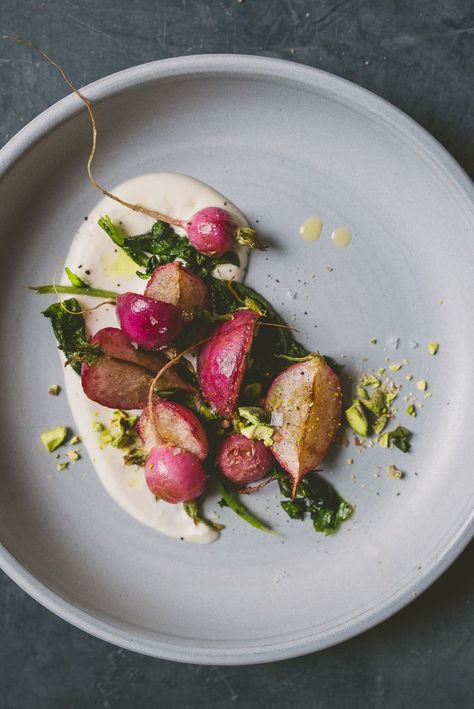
(341, 237)
(311, 228)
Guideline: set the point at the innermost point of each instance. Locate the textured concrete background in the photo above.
(419, 55)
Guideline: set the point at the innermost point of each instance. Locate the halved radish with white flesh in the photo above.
(114, 343)
(116, 384)
(222, 361)
(173, 283)
(173, 424)
(306, 400)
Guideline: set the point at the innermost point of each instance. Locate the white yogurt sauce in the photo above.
(92, 250)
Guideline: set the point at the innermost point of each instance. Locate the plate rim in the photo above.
(244, 66)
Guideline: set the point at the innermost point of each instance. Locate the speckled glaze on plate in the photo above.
(282, 142)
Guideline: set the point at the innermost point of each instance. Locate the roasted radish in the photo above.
(174, 424)
(222, 361)
(174, 475)
(243, 460)
(151, 323)
(306, 402)
(173, 283)
(113, 342)
(116, 384)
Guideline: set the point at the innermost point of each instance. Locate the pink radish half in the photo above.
(307, 398)
(116, 384)
(113, 342)
(173, 283)
(222, 361)
(175, 425)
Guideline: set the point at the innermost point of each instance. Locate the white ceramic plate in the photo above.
(283, 142)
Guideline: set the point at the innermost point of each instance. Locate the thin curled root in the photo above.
(78, 312)
(167, 366)
(85, 310)
(249, 489)
(175, 360)
(90, 111)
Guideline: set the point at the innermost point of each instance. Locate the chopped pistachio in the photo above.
(75, 440)
(384, 440)
(370, 380)
(62, 466)
(350, 461)
(98, 427)
(252, 414)
(400, 437)
(391, 394)
(105, 438)
(373, 341)
(410, 410)
(433, 347)
(259, 432)
(422, 385)
(380, 371)
(357, 419)
(408, 377)
(376, 403)
(380, 423)
(362, 392)
(54, 389)
(252, 422)
(394, 472)
(73, 455)
(53, 438)
(395, 367)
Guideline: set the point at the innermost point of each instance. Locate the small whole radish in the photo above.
(174, 475)
(243, 460)
(149, 323)
(213, 231)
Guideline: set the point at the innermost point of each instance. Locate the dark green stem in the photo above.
(233, 503)
(95, 292)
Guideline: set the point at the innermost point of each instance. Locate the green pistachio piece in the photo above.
(376, 403)
(253, 414)
(370, 380)
(357, 419)
(380, 423)
(53, 438)
(394, 472)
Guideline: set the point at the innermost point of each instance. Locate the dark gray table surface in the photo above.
(419, 55)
